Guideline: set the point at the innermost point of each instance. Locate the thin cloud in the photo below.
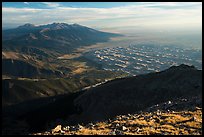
(51, 4)
(27, 3)
(143, 14)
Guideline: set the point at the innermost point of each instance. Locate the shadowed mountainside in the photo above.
(135, 93)
(20, 68)
(18, 90)
(116, 97)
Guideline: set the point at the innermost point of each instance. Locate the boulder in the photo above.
(57, 129)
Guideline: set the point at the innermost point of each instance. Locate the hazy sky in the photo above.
(105, 15)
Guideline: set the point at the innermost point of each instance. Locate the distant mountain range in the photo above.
(32, 51)
(58, 37)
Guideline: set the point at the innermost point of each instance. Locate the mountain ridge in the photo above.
(58, 37)
(134, 93)
(117, 97)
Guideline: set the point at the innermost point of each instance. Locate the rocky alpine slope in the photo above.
(178, 117)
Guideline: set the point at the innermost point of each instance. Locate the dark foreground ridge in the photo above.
(133, 94)
(118, 97)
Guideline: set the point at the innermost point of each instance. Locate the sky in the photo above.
(107, 16)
